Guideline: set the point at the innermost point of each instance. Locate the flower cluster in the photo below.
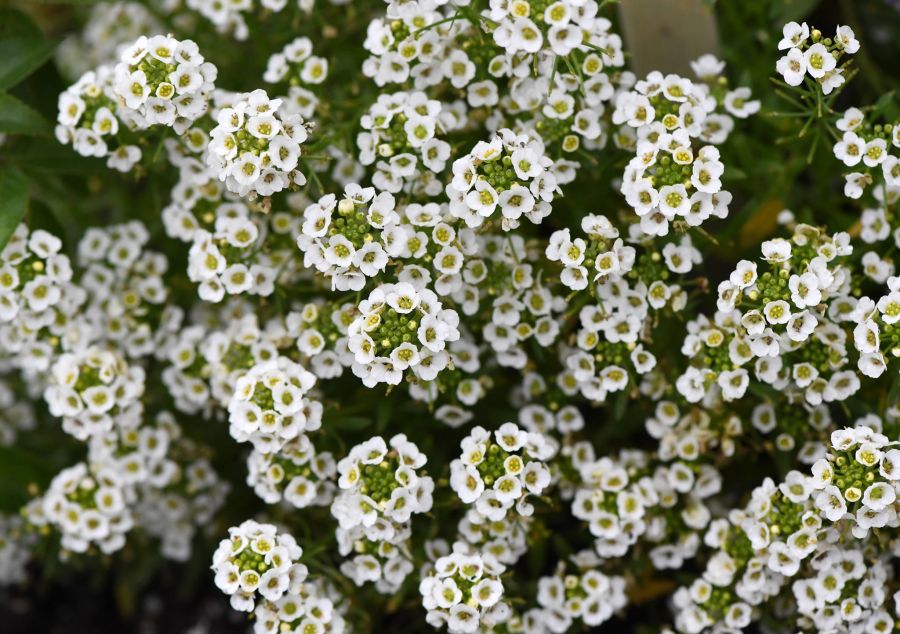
(587, 595)
(256, 559)
(255, 146)
(671, 176)
(510, 174)
(312, 607)
(32, 274)
(127, 297)
(379, 554)
(867, 146)
(296, 64)
(88, 508)
(774, 318)
(180, 492)
(497, 475)
(399, 328)
(163, 81)
(296, 473)
(463, 591)
(381, 480)
(603, 251)
(89, 119)
(844, 589)
(402, 129)
(94, 391)
(557, 27)
(351, 239)
(271, 406)
(811, 54)
(857, 480)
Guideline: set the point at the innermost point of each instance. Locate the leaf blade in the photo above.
(21, 56)
(13, 201)
(19, 118)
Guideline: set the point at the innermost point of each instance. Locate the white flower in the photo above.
(805, 290)
(270, 164)
(794, 35)
(777, 312)
(846, 39)
(879, 496)
(819, 61)
(831, 503)
(850, 149)
(793, 67)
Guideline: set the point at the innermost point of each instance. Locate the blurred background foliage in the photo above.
(770, 168)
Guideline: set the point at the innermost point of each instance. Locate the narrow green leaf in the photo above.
(791, 10)
(21, 56)
(887, 106)
(13, 200)
(352, 422)
(74, 2)
(38, 154)
(18, 469)
(14, 23)
(19, 118)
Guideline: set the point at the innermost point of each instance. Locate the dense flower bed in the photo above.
(435, 308)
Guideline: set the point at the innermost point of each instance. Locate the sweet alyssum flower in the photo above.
(399, 328)
(33, 271)
(401, 130)
(463, 591)
(257, 561)
(87, 508)
(163, 81)
(857, 480)
(311, 606)
(381, 480)
(819, 59)
(497, 475)
(89, 118)
(584, 594)
(255, 146)
(351, 239)
(94, 391)
(671, 176)
(271, 404)
(509, 175)
(295, 473)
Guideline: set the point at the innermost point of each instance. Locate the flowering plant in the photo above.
(324, 316)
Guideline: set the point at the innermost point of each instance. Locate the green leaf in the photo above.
(44, 155)
(351, 423)
(789, 10)
(620, 405)
(74, 2)
(14, 23)
(19, 118)
(13, 201)
(18, 469)
(886, 107)
(21, 56)
(384, 414)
